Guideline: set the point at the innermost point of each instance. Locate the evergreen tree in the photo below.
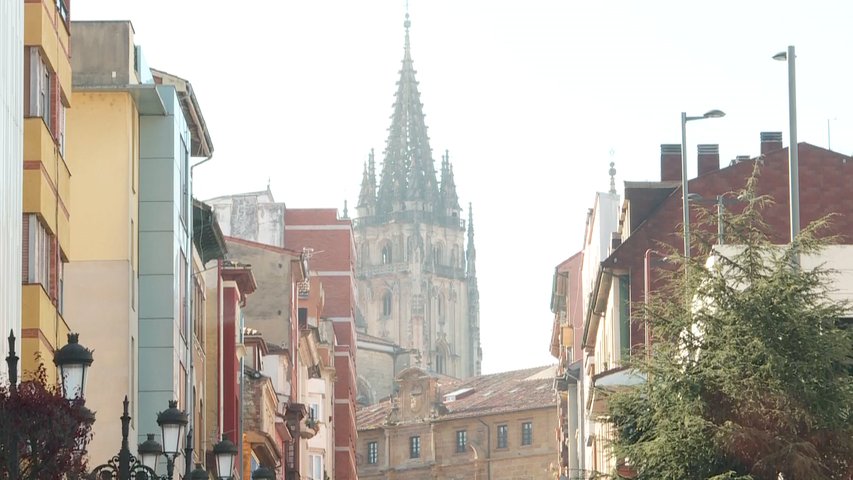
(749, 375)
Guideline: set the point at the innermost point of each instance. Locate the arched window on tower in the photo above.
(441, 359)
(438, 253)
(365, 254)
(440, 308)
(386, 304)
(386, 254)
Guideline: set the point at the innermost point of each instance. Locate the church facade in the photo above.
(416, 275)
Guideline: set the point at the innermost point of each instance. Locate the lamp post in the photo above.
(263, 473)
(685, 202)
(12, 364)
(224, 452)
(721, 201)
(125, 466)
(172, 424)
(73, 361)
(794, 147)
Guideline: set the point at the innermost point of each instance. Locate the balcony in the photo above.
(370, 271)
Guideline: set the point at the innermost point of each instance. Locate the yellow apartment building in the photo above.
(46, 237)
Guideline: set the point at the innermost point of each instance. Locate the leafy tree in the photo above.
(41, 431)
(750, 373)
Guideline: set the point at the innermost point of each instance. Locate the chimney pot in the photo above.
(709, 158)
(770, 141)
(670, 162)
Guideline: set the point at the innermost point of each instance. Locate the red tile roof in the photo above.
(497, 393)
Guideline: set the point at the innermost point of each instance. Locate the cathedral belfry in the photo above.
(417, 284)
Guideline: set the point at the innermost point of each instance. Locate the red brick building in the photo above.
(328, 241)
(649, 221)
(652, 211)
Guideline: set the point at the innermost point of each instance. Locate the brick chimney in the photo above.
(670, 162)
(770, 141)
(709, 158)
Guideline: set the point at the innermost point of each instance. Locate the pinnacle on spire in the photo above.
(367, 196)
(471, 252)
(612, 172)
(449, 198)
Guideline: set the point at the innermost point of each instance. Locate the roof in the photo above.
(363, 337)
(207, 236)
(494, 394)
(202, 145)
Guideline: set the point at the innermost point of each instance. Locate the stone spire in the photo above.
(408, 171)
(470, 251)
(367, 197)
(473, 298)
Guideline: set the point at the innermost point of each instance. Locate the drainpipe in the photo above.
(488, 449)
(188, 309)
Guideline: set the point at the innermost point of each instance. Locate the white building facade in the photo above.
(11, 167)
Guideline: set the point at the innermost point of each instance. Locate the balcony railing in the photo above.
(369, 271)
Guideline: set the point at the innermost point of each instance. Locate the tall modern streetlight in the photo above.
(794, 147)
(685, 201)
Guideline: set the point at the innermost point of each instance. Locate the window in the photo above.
(386, 255)
(37, 86)
(37, 252)
(316, 467)
(503, 436)
(440, 366)
(625, 316)
(386, 304)
(314, 411)
(461, 441)
(182, 284)
(527, 433)
(185, 183)
(415, 447)
(60, 128)
(372, 453)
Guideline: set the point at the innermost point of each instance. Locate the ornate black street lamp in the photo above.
(73, 361)
(225, 451)
(149, 452)
(125, 466)
(12, 364)
(263, 473)
(172, 423)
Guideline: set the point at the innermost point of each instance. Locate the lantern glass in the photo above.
(224, 464)
(172, 434)
(73, 380)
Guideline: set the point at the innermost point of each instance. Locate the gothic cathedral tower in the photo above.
(417, 283)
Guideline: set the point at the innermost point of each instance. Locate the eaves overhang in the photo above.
(146, 97)
(597, 304)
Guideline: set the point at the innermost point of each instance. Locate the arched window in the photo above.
(365, 254)
(438, 253)
(440, 306)
(386, 304)
(386, 254)
(440, 362)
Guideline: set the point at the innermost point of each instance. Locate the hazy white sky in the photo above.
(529, 96)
